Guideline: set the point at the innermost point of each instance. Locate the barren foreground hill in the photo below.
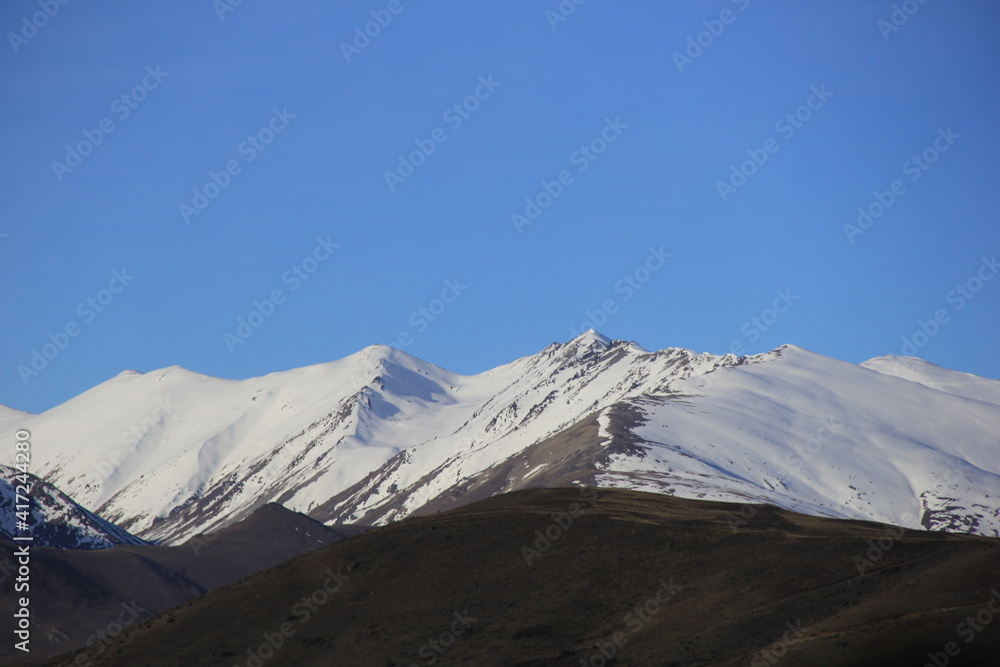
(583, 576)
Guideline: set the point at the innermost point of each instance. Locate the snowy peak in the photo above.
(588, 344)
(592, 342)
(380, 434)
(936, 377)
(591, 337)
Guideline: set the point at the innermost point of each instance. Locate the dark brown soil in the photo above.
(648, 579)
(75, 595)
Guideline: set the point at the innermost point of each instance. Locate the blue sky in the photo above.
(677, 173)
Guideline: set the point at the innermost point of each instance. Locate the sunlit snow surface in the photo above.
(171, 453)
(825, 437)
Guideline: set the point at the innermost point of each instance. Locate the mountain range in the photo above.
(381, 435)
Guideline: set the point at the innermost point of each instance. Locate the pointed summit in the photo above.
(591, 336)
(592, 339)
(588, 343)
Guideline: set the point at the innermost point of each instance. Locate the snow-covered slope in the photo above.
(380, 435)
(53, 519)
(936, 377)
(10, 418)
(824, 437)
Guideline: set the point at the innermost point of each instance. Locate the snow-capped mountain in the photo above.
(53, 518)
(936, 377)
(379, 435)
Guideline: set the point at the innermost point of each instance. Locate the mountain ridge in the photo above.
(380, 434)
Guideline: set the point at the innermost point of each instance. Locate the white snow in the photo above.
(937, 377)
(789, 427)
(811, 433)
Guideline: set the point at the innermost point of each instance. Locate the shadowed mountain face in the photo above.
(86, 596)
(598, 577)
(54, 519)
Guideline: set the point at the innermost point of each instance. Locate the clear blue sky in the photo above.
(309, 129)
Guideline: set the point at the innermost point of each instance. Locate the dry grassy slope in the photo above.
(740, 589)
(76, 593)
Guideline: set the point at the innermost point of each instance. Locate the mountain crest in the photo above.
(381, 434)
